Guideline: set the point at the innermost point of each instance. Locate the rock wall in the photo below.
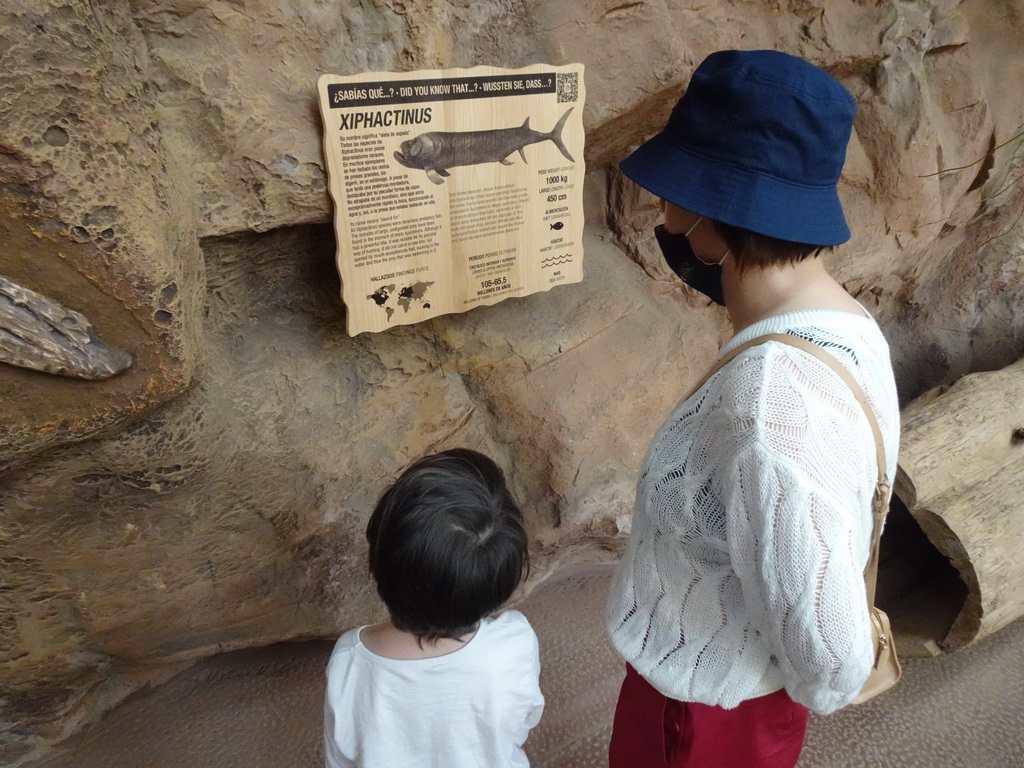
(161, 173)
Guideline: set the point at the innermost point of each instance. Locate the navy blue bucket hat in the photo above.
(757, 141)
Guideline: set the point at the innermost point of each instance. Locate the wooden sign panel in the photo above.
(453, 188)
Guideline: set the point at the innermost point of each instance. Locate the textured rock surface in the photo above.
(92, 216)
(264, 707)
(161, 173)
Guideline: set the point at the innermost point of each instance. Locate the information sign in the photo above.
(453, 188)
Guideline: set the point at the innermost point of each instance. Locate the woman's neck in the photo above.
(387, 640)
(757, 294)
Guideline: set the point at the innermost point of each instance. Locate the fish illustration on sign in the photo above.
(437, 151)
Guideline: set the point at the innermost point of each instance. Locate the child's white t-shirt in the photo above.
(470, 708)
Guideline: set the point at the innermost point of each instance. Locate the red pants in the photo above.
(652, 730)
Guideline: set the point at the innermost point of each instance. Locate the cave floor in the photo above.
(262, 708)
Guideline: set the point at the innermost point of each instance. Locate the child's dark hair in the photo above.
(447, 544)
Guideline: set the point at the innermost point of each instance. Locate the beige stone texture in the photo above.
(92, 216)
(161, 173)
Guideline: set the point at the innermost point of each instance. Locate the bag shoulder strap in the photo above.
(880, 502)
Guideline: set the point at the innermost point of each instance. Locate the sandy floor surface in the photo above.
(262, 708)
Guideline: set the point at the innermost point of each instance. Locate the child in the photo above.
(440, 685)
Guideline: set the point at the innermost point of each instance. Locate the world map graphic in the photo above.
(390, 297)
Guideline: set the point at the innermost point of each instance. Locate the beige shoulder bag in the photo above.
(886, 671)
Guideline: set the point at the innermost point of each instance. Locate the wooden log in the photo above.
(962, 478)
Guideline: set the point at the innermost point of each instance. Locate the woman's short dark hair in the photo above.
(447, 544)
(752, 250)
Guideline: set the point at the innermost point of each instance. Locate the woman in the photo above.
(740, 602)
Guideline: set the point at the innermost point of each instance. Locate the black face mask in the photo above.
(678, 253)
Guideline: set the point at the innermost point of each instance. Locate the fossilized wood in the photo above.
(42, 335)
(962, 478)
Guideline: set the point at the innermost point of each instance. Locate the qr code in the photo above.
(567, 86)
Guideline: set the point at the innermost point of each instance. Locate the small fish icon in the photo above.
(557, 225)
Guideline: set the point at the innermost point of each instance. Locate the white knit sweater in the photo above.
(752, 524)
